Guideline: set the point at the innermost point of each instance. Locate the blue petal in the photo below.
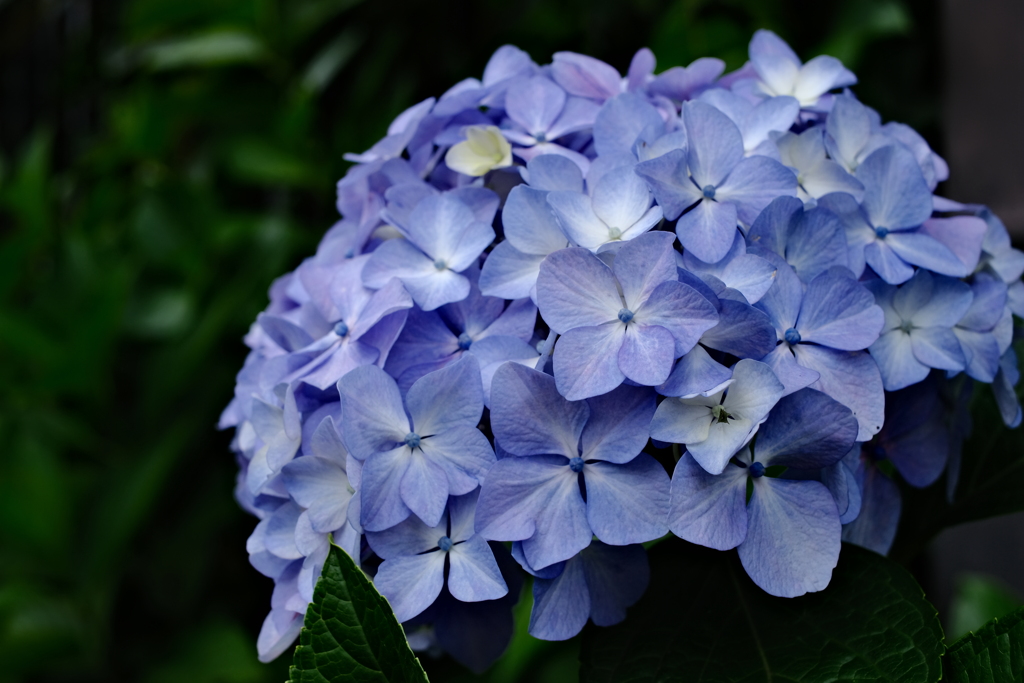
(407, 538)
(695, 373)
(620, 122)
(534, 103)
(708, 230)
(474, 574)
(681, 310)
(550, 172)
(464, 454)
(586, 360)
(560, 605)
(793, 540)
(853, 379)
(896, 195)
(924, 250)
(509, 273)
(839, 313)
(806, 430)
(754, 183)
(280, 629)
(424, 487)
(576, 289)
(450, 397)
(530, 417)
(529, 223)
(642, 264)
(716, 145)
(708, 509)
(896, 361)
(617, 576)
(411, 583)
(618, 424)
(381, 495)
(646, 354)
(670, 181)
(875, 527)
(372, 411)
(536, 500)
(627, 503)
(742, 331)
(321, 486)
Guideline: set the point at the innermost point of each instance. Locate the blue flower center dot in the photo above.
(412, 440)
(881, 232)
(625, 315)
(350, 253)
(576, 464)
(709, 191)
(444, 543)
(540, 137)
(792, 336)
(465, 341)
(341, 329)
(756, 469)
(440, 264)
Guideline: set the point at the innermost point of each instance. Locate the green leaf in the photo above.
(992, 655)
(977, 600)
(350, 632)
(703, 619)
(215, 48)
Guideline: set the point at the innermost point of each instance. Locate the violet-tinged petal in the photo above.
(280, 629)
(372, 411)
(551, 172)
(670, 181)
(853, 379)
(1003, 389)
(753, 184)
(742, 331)
(395, 258)
(707, 230)
(963, 235)
(896, 360)
(577, 219)
(474, 573)
(447, 398)
(884, 261)
(695, 373)
(410, 537)
(895, 193)
(464, 454)
(818, 76)
(586, 360)
(792, 374)
(923, 250)
(621, 198)
(715, 144)
(841, 482)
(775, 62)
(509, 273)
(381, 501)
(627, 503)
(806, 430)
(424, 487)
(981, 352)
(676, 421)
(708, 509)
(682, 311)
(576, 289)
(771, 114)
(620, 122)
(529, 223)
(793, 541)
(534, 103)
(782, 302)
(643, 264)
(561, 605)
(321, 486)
(617, 428)
(839, 313)
(530, 417)
(585, 76)
(750, 275)
(411, 583)
(279, 537)
(646, 354)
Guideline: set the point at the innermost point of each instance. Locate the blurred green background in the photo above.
(161, 161)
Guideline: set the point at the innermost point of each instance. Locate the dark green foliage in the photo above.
(350, 632)
(703, 620)
(995, 654)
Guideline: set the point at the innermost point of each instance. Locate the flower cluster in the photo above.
(560, 306)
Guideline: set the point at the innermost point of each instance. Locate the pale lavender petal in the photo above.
(646, 354)
(561, 605)
(884, 261)
(372, 411)
(321, 486)
(806, 430)
(896, 361)
(937, 347)
(411, 583)
(450, 397)
(839, 313)
(895, 195)
(410, 537)
(707, 230)
(464, 454)
(436, 288)
(676, 421)
(926, 251)
(821, 74)
(576, 289)
(669, 179)
(509, 273)
(793, 541)
(474, 573)
(530, 417)
(774, 61)
(642, 264)
(586, 360)
(695, 373)
(681, 310)
(716, 146)
(853, 379)
(627, 503)
(793, 375)
(754, 183)
(621, 121)
(706, 509)
(618, 424)
(424, 488)
(380, 488)
(551, 172)
(621, 198)
(280, 629)
(534, 103)
(529, 222)
(585, 76)
(963, 235)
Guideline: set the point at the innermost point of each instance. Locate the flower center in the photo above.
(709, 191)
(614, 233)
(440, 264)
(881, 233)
(756, 470)
(907, 326)
(792, 336)
(720, 414)
(465, 341)
(444, 544)
(341, 329)
(412, 440)
(625, 315)
(576, 464)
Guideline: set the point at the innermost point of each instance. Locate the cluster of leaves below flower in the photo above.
(440, 380)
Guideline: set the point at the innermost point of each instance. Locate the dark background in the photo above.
(161, 161)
